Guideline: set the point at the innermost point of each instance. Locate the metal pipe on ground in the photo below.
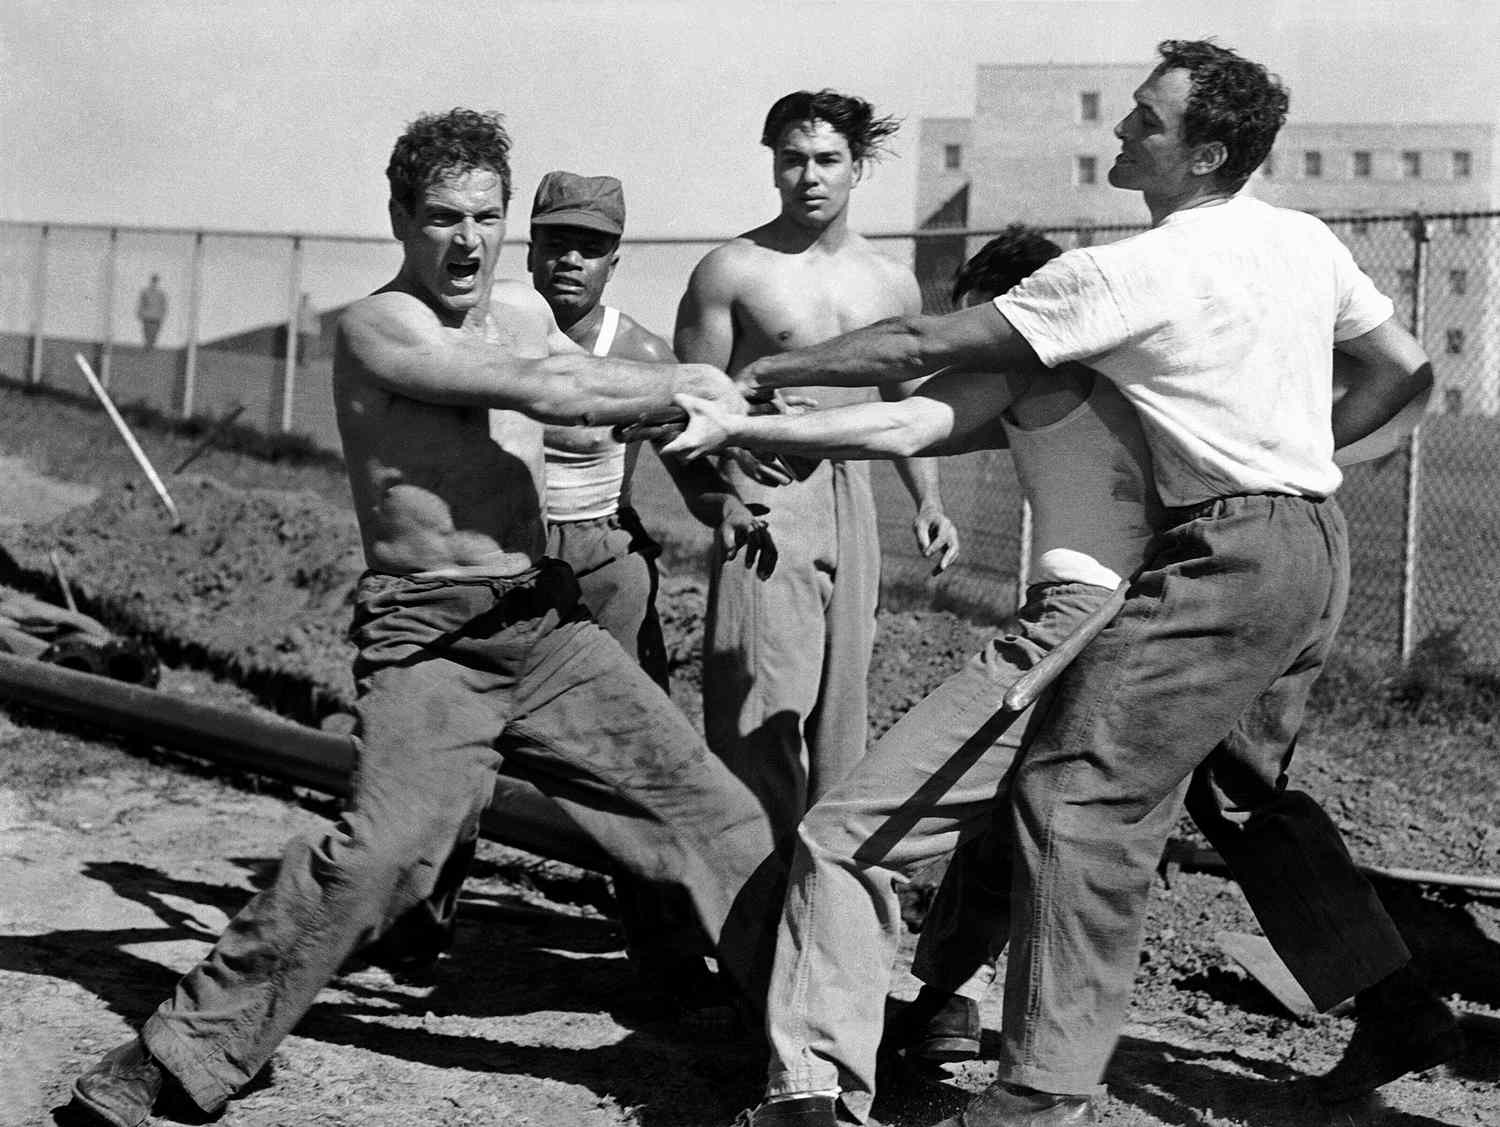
(519, 814)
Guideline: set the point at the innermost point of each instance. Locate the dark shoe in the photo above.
(801, 1111)
(938, 1027)
(1389, 1041)
(121, 1088)
(1002, 1105)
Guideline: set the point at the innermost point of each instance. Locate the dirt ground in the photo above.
(120, 863)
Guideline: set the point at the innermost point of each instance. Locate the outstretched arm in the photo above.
(395, 342)
(897, 349)
(949, 414)
(1389, 378)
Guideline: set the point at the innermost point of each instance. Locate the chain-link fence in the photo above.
(238, 334)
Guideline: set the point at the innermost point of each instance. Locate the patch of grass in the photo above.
(68, 437)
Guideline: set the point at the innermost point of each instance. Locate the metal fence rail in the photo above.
(1425, 522)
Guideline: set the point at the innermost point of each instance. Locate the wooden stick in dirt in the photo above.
(210, 438)
(135, 447)
(62, 581)
(1035, 680)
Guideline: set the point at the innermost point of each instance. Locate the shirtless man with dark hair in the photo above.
(786, 660)
(474, 649)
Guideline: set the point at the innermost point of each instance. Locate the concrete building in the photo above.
(1040, 143)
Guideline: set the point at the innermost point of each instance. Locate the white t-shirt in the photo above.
(1219, 326)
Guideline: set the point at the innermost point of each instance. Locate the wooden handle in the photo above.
(1035, 680)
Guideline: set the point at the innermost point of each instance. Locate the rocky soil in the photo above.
(121, 861)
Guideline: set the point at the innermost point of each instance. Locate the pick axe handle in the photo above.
(1035, 680)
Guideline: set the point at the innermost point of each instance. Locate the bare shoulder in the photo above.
(387, 319)
(636, 342)
(512, 296)
(723, 270)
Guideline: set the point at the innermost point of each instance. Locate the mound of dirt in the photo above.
(255, 584)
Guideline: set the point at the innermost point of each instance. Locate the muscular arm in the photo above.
(704, 333)
(949, 414)
(1389, 378)
(398, 344)
(898, 349)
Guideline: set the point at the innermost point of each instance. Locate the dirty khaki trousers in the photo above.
(457, 680)
(1197, 688)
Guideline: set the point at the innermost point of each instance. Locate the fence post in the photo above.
(111, 266)
(38, 309)
(190, 358)
(1411, 546)
(281, 404)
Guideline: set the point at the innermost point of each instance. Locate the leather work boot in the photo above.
(121, 1088)
(937, 1026)
(1400, 1026)
(800, 1111)
(1002, 1105)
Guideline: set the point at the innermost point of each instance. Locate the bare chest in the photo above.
(796, 306)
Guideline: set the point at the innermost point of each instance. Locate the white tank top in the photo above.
(1096, 498)
(586, 484)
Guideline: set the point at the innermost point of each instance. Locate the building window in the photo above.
(953, 157)
(1463, 164)
(1411, 164)
(1453, 400)
(1362, 164)
(1360, 227)
(1087, 170)
(1407, 280)
(1088, 105)
(1455, 341)
(1312, 164)
(1460, 224)
(1458, 281)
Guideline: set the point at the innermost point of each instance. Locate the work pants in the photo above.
(457, 679)
(786, 659)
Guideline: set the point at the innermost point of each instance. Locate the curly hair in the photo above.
(1012, 255)
(853, 118)
(1232, 100)
(439, 145)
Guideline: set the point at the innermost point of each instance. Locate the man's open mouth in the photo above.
(467, 268)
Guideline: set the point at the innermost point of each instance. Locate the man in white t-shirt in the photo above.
(1219, 324)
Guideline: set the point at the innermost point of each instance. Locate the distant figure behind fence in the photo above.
(151, 308)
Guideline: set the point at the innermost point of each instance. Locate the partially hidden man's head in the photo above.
(1002, 263)
(576, 224)
(821, 142)
(450, 184)
(1213, 110)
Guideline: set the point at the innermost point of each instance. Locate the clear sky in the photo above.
(279, 114)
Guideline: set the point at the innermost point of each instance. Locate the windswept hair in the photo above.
(439, 145)
(1232, 100)
(853, 118)
(1014, 254)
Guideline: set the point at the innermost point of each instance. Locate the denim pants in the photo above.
(786, 659)
(1203, 677)
(457, 680)
(938, 778)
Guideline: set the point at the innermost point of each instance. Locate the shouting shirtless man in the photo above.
(473, 646)
(786, 659)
